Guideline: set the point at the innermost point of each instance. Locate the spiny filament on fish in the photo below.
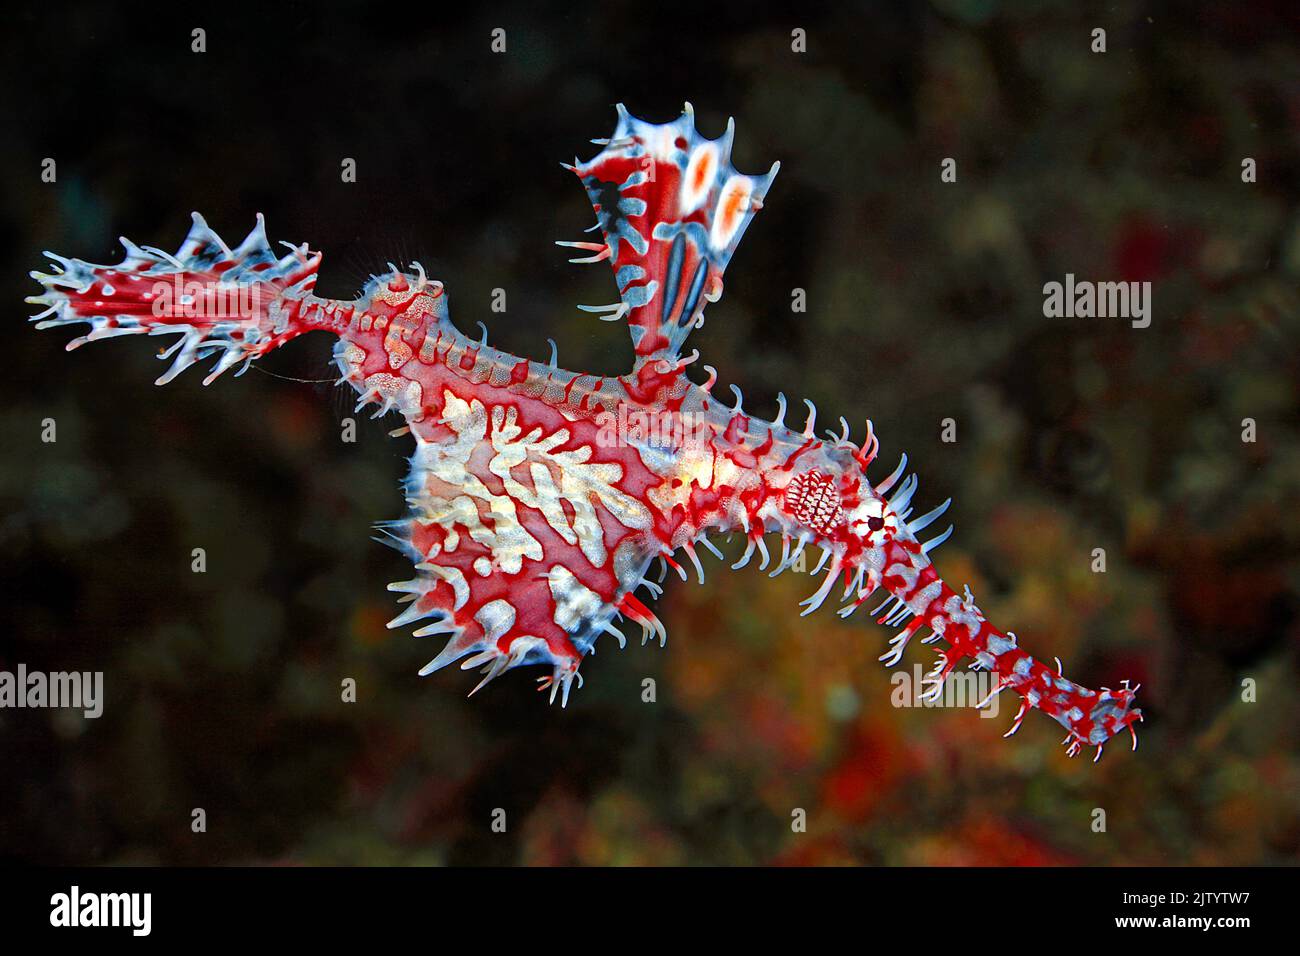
(528, 528)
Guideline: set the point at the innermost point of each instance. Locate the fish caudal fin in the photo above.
(232, 304)
(671, 209)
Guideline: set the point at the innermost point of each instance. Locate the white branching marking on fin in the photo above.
(581, 481)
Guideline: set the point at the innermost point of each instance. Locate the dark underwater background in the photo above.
(924, 302)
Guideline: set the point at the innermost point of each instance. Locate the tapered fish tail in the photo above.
(816, 494)
(1090, 717)
(234, 305)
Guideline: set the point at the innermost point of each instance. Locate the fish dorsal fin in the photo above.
(671, 209)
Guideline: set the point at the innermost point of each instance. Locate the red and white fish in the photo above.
(539, 497)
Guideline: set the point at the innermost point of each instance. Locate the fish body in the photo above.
(539, 498)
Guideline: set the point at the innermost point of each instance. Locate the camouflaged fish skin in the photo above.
(537, 497)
